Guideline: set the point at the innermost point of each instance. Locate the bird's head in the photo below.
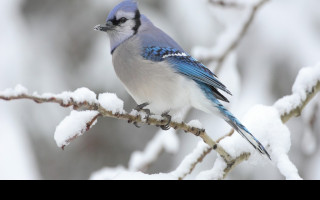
(122, 22)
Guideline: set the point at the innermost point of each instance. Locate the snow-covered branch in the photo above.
(232, 37)
(107, 105)
(190, 161)
(305, 88)
(163, 141)
(265, 122)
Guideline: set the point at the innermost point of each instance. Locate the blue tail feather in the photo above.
(233, 121)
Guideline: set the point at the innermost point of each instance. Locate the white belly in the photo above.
(155, 84)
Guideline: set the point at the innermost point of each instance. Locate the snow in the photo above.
(265, 124)
(230, 34)
(84, 95)
(17, 91)
(178, 117)
(215, 173)
(190, 159)
(286, 167)
(195, 124)
(80, 95)
(120, 173)
(126, 175)
(134, 113)
(107, 173)
(111, 102)
(163, 141)
(305, 81)
(73, 126)
(286, 104)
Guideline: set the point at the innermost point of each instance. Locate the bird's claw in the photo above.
(141, 107)
(168, 117)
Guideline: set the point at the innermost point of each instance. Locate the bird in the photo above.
(159, 75)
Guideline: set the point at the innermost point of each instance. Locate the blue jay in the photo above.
(159, 74)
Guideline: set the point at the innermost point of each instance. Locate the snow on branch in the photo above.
(163, 141)
(74, 125)
(108, 105)
(190, 161)
(267, 124)
(306, 86)
(231, 37)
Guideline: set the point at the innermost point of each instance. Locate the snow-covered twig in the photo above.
(221, 52)
(163, 141)
(190, 161)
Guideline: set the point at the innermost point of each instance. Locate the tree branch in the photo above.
(297, 110)
(89, 102)
(285, 117)
(241, 34)
(103, 112)
(220, 57)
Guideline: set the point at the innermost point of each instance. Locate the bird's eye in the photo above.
(123, 20)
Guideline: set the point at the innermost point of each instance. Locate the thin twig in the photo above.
(241, 34)
(194, 164)
(221, 57)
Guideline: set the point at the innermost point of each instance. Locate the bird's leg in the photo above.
(139, 108)
(168, 117)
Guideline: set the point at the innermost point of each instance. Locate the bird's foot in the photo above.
(168, 117)
(141, 107)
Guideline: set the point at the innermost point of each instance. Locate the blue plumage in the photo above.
(184, 64)
(126, 6)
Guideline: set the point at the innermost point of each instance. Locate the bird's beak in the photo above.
(109, 26)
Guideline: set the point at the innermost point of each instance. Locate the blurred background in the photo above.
(50, 46)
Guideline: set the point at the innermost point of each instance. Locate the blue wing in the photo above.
(187, 66)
